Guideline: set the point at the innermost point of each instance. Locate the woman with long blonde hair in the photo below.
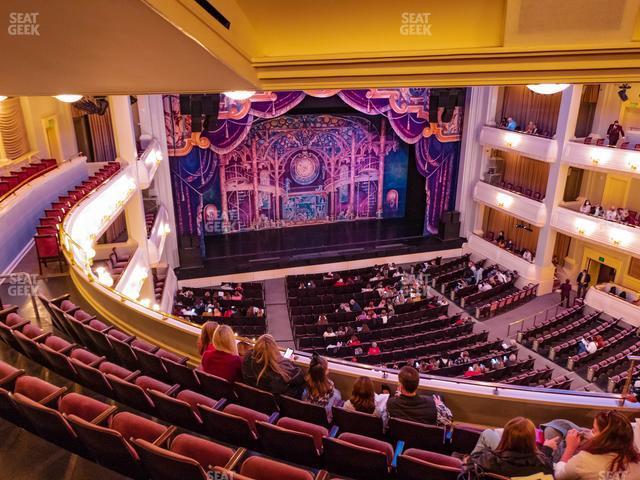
(223, 361)
(264, 367)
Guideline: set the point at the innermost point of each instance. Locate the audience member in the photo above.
(265, 367)
(320, 389)
(531, 128)
(408, 404)
(584, 278)
(511, 124)
(565, 292)
(612, 214)
(223, 361)
(610, 452)
(363, 399)
(614, 132)
(373, 349)
(527, 255)
(517, 454)
(586, 207)
(205, 340)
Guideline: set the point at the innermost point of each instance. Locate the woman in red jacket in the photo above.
(224, 361)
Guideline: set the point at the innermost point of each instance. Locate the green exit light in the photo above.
(601, 259)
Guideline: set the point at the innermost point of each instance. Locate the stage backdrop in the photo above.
(262, 168)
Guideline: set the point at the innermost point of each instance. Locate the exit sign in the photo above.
(601, 259)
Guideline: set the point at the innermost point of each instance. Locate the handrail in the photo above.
(15, 189)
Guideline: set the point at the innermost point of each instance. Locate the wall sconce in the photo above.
(632, 166)
(511, 140)
(594, 160)
(584, 227)
(503, 201)
(619, 238)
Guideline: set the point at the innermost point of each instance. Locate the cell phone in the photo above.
(210, 310)
(494, 361)
(288, 353)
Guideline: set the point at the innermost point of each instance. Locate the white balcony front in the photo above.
(159, 232)
(613, 305)
(148, 163)
(603, 158)
(598, 230)
(528, 272)
(532, 146)
(511, 203)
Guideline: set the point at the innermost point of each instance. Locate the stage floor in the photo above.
(311, 245)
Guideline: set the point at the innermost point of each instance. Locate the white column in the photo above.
(565, 130)
(478, 106)
(162, 179)
(124, 134)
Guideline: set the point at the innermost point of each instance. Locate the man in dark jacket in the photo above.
(583, 283)
(565, 292)
(409, 405)
(615, 131)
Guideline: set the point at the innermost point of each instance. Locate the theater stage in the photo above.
(284, 248)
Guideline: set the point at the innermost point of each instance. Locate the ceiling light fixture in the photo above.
(3, 97)
(548, 88)
(68, 97)
(240, 94)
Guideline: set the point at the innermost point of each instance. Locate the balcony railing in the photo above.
(159, 232)
(512, 203)
(594, 229)
(148, 163)
(533, 146)
(613, 305)
(597, 157)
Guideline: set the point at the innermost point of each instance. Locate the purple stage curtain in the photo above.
(228, 134)
(438, 163)
(362, 101)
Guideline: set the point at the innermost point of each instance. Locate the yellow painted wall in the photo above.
(616, 191)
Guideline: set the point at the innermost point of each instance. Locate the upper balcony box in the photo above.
(148, 163)
(532, 146)
(158, 235)
(595, 157)
(605, 232)
(516, 205)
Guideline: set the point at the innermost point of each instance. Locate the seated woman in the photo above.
(517, 454)
(264, 367)
(205, 341)
(586, 207)
(224, 361)
(365, 400)
(610, 453)
(320, 389)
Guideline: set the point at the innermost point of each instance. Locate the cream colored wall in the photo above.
(580, 252)
(35, 109)
(593, 184)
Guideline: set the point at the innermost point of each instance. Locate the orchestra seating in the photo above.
(205, 422)
(11, 182)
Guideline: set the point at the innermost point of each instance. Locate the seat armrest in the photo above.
(39, 338)
(87, 320)
(162, 439)
(235, 458)
(104, 415)
(182, 360)
(273, 417)
(9, 379)
(60, 299)
(49, 399)
(133, 376)
(96, 363)
(68, 349)
(18, 326)
(322, 475)
(173, 390)
(397, 453)
(6, 311)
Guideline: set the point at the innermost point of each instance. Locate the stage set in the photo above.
(285, 179)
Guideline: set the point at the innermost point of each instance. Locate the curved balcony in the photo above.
(512, 203)
(603, 158)
(613, 305)
(148, 163)
(532, 146)
(611, 234)
(479, 402)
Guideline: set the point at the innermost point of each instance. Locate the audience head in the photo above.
(317, 379)
(224, 340)
(206, 336)
(519, 435)
(267, 354)
(363, 396)
(613, 433)
(409, 378)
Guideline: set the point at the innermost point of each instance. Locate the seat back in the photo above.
(163, 464)
(256, 398)
(125, 354)
(228, 428)
(182, 374)
(101, 343)
(214, 386)
(261, 468)
(464, 439)
(417, 435)
(58, 362)
(294, 408)
(289, 445)
(417, 464)
(29, 347)
(151, 364)
(92, 378)
(344, 458)
(131, 394)
(358, 422)
(107, 447)
(176, 411)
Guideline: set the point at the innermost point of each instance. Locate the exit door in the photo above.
(600, 273)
